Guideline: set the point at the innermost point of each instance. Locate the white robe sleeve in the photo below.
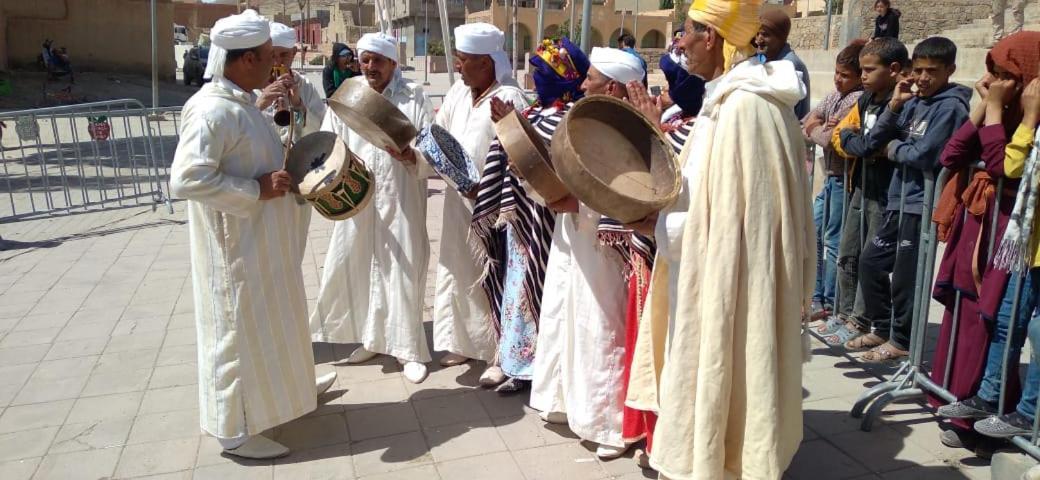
(422, 117)
(196, 173)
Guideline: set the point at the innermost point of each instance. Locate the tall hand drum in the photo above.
(329, 176)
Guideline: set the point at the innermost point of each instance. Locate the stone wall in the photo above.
(924, 18)
(807, 32)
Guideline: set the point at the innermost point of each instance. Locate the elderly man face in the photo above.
(703, 48)
(284, 56)
(596, 83)
(478, 71)
(377, 69)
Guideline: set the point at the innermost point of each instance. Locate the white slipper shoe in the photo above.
(608, 452)
(415, 372)
(360, 355)
(259, 447)
(492, 376)
(325, 382)
(555, 418)
(452, 359)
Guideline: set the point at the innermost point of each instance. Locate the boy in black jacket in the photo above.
(917, 128)
(881, 63)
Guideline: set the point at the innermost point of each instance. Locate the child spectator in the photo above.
(828, 208)
(887, 22)
(915, 128)
(867, 176)
(965, 219)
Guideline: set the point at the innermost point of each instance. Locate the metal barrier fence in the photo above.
(92, 155)
(911, 380)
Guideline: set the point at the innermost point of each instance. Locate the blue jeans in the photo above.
(1026, 324)
(828, 210)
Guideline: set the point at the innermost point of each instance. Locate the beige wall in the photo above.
(112, 35)
(606, 24)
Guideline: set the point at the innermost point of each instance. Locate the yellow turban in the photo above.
(736, 20)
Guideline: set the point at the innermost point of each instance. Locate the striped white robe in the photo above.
(460, 309)
(374, 281)
(256, 367)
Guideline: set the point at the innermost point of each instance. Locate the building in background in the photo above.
(609, 21)
(112, 35)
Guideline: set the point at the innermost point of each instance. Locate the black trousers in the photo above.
(889, 304)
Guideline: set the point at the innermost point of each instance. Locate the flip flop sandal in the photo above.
(865, 342)
(884, 354)
(843, 335)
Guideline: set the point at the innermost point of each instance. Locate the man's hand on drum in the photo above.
(650, 106)
(274, 184)
(406, 157)
(499, 109)
(645, 226)
(567, 204)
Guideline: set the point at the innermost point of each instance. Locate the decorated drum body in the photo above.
(329, 176)
(448, 158)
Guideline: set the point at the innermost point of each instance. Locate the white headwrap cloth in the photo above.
(619, 65)
(282, 35)
(484, 39)
(235, 32)
(380, 43)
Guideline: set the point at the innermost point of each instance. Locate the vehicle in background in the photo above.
(180, 34)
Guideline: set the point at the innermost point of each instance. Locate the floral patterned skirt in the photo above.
(519, 328)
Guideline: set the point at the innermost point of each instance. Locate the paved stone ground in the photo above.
(98, 380)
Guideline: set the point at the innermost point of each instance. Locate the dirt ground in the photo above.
(29, 90)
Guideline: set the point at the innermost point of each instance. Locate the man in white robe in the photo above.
(461, 317)
(736, 250)
(256, 366)
(374, 280)
(581, 338)
(292, 91)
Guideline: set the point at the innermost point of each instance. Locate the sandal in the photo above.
(848, 332)
(883, 354)
(865, 342)
(832, 325)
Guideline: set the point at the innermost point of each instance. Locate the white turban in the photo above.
(380, 43)
(484, 39)
(619, 65)
(282, 35)
(235, 32)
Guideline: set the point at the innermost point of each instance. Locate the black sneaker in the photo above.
(1005, 426)
(972, 408)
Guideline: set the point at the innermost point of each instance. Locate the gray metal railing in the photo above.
(78, 157)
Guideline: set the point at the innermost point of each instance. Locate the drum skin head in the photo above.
(329, 176)
(614, 160)
(369, 114)
(529, 156)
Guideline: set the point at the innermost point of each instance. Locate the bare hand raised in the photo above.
(645, 226)
(1031, 103)
(407, 156)
(499, 109)
(650, 106)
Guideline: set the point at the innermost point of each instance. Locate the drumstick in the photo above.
(288, 144)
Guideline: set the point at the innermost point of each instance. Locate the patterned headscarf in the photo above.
(559, 70)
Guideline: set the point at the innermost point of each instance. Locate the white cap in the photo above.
(282, 35)
(380, 43)
(235, 32)
(619, 65)
(484, 39)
